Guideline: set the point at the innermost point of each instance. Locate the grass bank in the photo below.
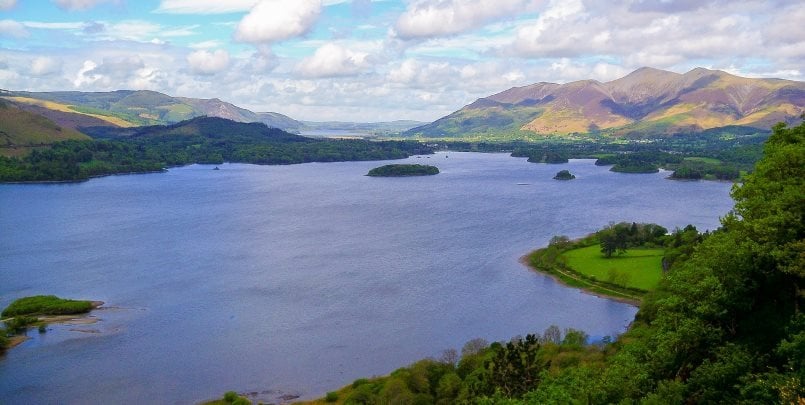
(580, 264)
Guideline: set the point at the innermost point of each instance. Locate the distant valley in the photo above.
(42, 118)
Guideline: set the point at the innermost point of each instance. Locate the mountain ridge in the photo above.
(647, 101)
(148, 107)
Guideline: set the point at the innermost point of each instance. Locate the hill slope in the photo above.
(20, 128)
(145, 107)
(645, 102)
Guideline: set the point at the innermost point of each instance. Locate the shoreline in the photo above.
(70, 319)
(624, 300)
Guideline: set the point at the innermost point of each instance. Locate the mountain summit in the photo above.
(647, 101)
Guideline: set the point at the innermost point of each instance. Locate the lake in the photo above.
(298, 279)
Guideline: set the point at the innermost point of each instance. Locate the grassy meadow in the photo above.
(636, 268)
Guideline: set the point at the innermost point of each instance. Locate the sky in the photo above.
(382, 60)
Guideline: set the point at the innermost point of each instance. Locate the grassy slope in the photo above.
(643, 267)
(117, 121)
(22, 128)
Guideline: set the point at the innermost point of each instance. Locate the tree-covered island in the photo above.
(564, 175)
(403, 170)
(37, 311)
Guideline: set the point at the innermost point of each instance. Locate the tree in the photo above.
(614, 238)
(516, 367)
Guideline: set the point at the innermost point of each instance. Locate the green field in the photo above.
(637, 268)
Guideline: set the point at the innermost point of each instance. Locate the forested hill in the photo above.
(207, 127)
(199, 140)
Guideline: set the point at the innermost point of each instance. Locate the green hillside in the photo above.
(19, 128)
(145, 107)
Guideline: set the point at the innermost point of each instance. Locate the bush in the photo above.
(230, 396)
(332, 396)
(19, 323)
(361, 381)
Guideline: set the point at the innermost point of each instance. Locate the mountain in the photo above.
(20, 129)
(646, 102)
(144, 107)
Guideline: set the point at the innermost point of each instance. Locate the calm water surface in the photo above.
(298, 279)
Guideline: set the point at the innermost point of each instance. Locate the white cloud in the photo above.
(331, 60)
(54, 25)
(12, 29)
(143, 31)
(213, 43)
(205, 6)
(77, 4)
(85, 75)
(124, 71)
(7, 4)
(275, 20)
(429, 18)
(208, 63)
(45, 66)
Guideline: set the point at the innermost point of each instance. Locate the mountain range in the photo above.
(647, 102)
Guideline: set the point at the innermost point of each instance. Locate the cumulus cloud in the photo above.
(276, 20)
(74, 5)
(45, 66)
(654, 37)
(7, 4)
(430, 18)
(208, 63)
(332, 60)
(120, 72)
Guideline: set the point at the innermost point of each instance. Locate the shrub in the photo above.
(230, 396)
(361, 381)
(332, 396)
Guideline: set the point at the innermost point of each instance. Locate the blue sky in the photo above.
(377, 60)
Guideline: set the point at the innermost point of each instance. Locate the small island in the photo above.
(564, 175)
(403, 170)
(38, 310)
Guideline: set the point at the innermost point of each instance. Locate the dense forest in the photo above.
(200, 140)
(724, 325)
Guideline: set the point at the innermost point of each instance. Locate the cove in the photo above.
(298, 279)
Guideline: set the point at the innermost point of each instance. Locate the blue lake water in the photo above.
(299, 279)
